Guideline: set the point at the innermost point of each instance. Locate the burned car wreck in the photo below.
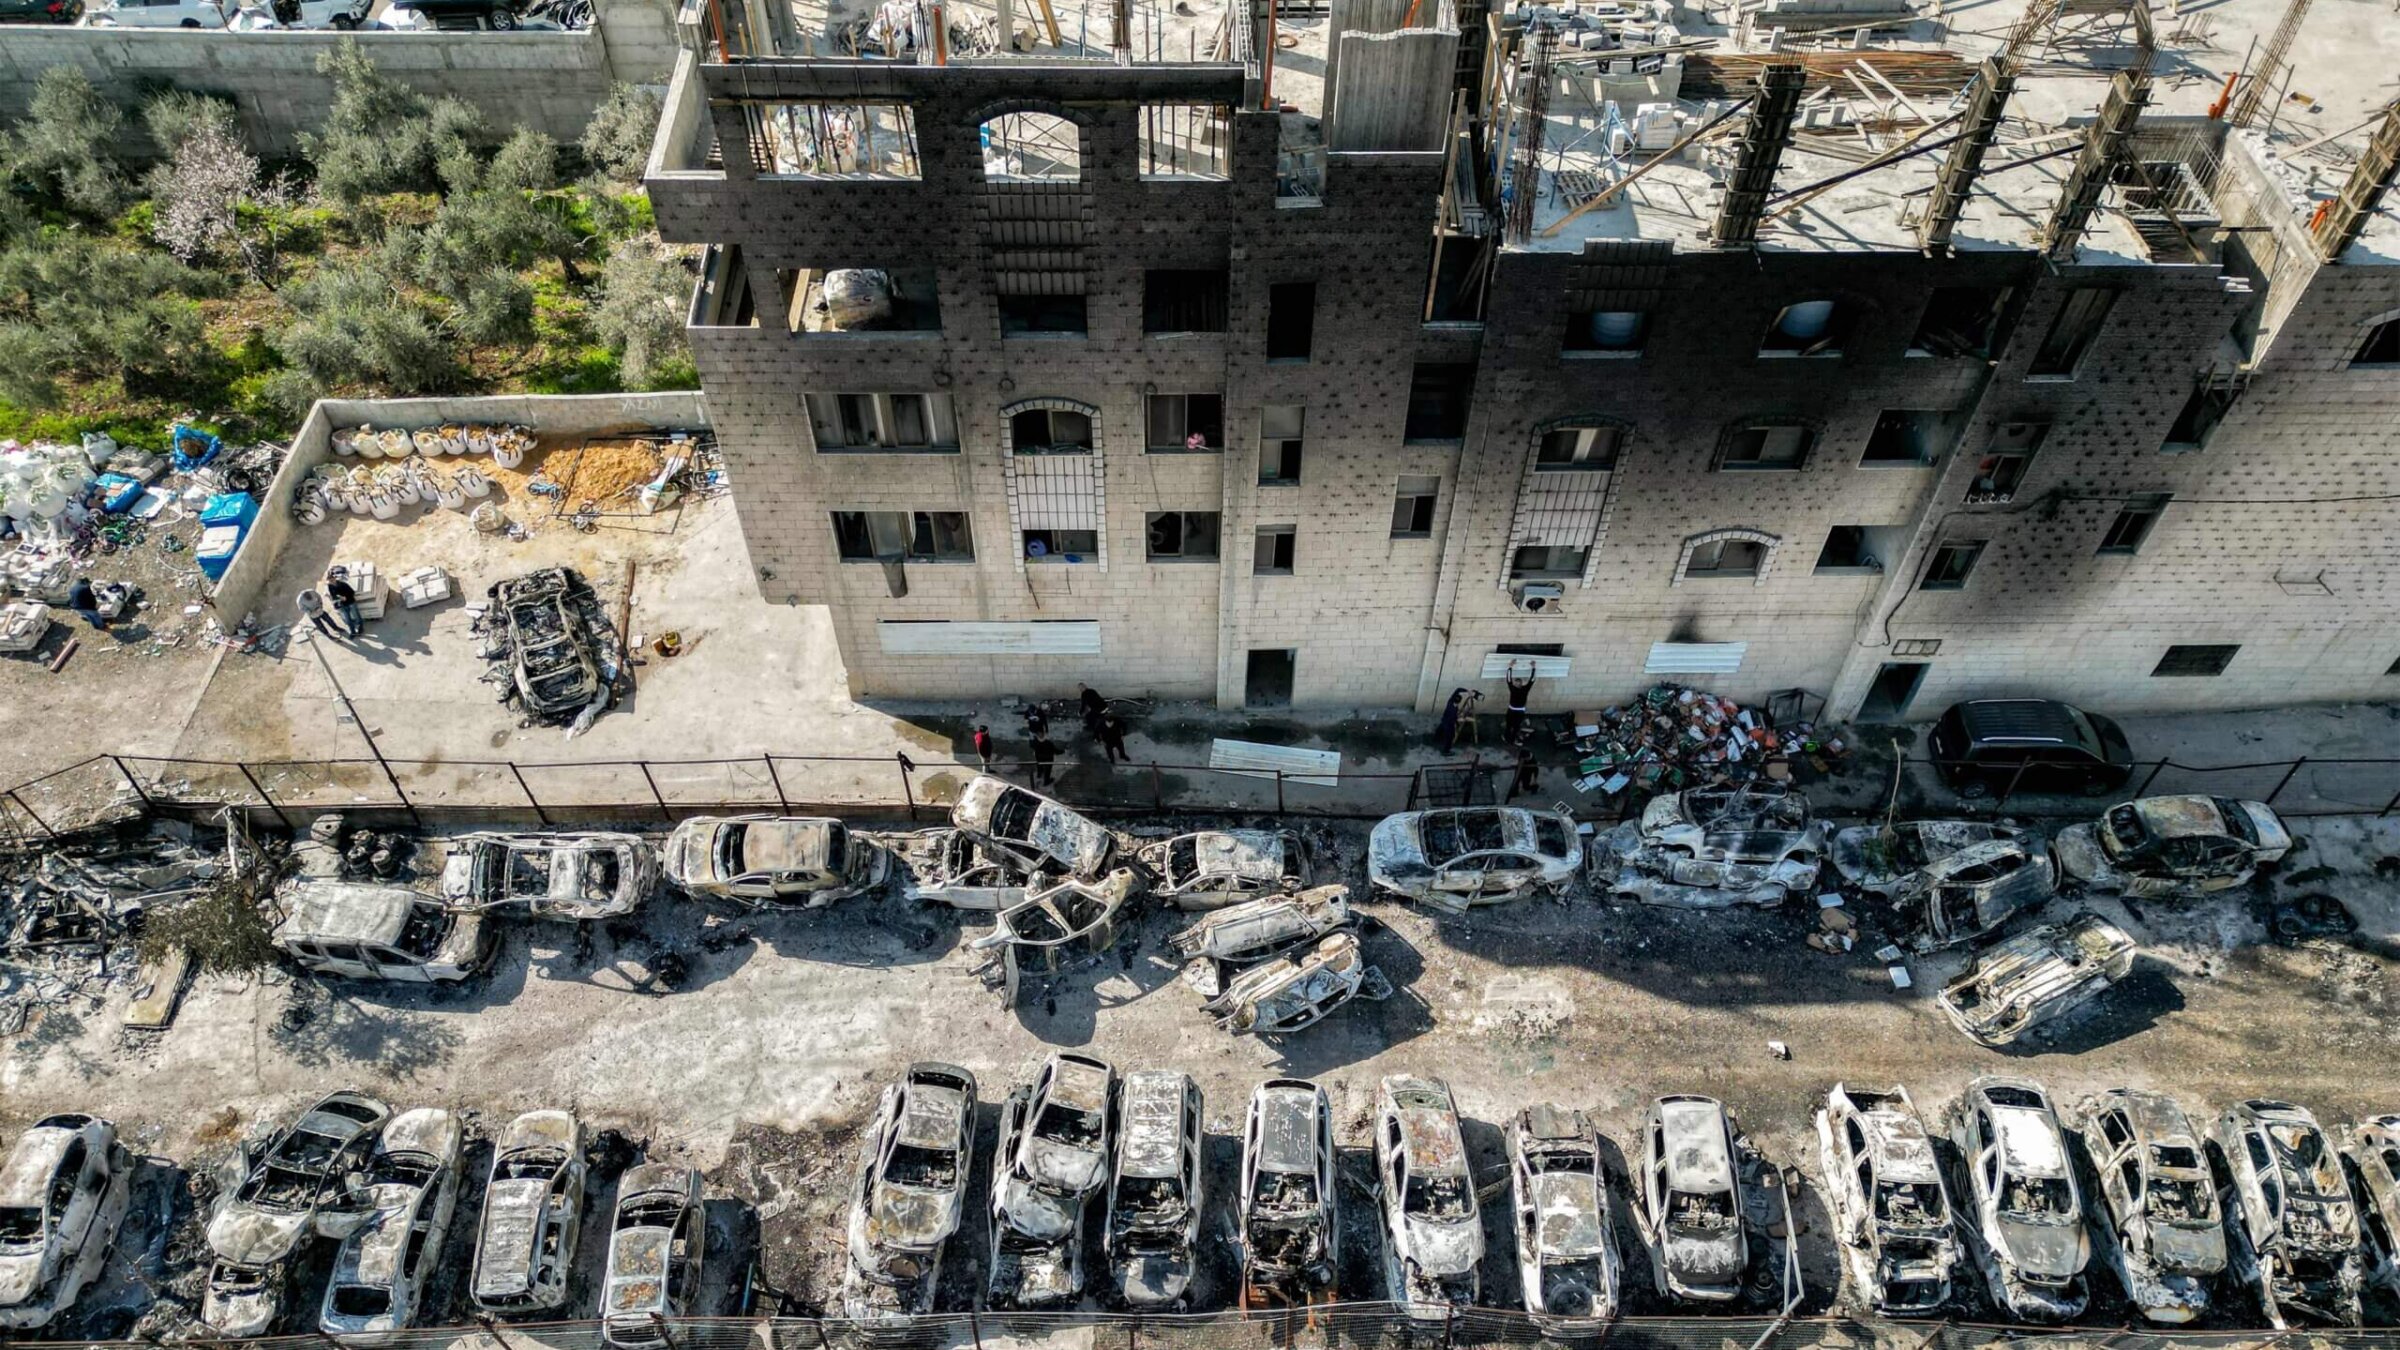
(381, 1270)
(297, 1186)
(2027, 1230)
(1053, 1156)
(1289, 1196)
(1211, 868)
(2371, 1161)
(557, 651)
(1255, 930)
(1952, 880)
(2291, 1222)
(1890, 1208)
(1432, 1230)
(2037, 977)
(1689, 1203)
(657, 1247)
(912, 1185)
(803, 862)
(1473, 855)
(1154, 1199)
(2159, 847)
(1060, 927)
(1039, 833)
(1566, 1237)
(1752, 844)
(532, 1215)
(957, 868)
(1292, 992)
(63, 1197)
(590, 875)
(2156, 1224)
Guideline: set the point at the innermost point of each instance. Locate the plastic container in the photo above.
(214, 554)
(230, 508)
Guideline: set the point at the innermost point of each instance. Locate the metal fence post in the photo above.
(782, 803)
(1158, 800)
(665, 1332)
(1279, 792)
(36, 815)
(2015, 777)
(133, 782)
(663, 810)
(907, 788)
(975, 1328)
(1449, 1320)
(2288, 775)
(261, 790)
(527, 788)
(2155, 770)
(2390, 806)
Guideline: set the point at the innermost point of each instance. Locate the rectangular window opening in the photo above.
(2382, 347)
(1905, 436)
(2198, 420)
(1273, 550)
(1552, 562)
(1291, 320)
(834, 140)
(722, 298)
(1605, 330)
(1062, 546)
(1808, 328)
(2132, 525)
(1279, 438)
(1184, 301)
(1950, 565)
(862, 299)
(1961, 321)
(1437, 401)
(2079, 321)
(1768, 445)
(903, 536)
(1859, 549)
(1050, 431)
(1186, 422)
(1570, 449)
(890, 422)
(1189, 535)
(1021, 315)
(1186, 140)
(2201, 659)
(1412, 506)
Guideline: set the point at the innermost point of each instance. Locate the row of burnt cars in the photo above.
(1087, 1158)
(385, 1187)
(2032, 1198)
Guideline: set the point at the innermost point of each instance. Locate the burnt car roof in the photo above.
(1697, 1156)
(1287, 1126)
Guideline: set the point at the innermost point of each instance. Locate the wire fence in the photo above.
(1345, 1326)
(106, 789)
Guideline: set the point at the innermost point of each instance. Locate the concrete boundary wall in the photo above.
(549, 81)
(549, 414)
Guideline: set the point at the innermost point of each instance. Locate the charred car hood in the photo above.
(1062, 1170)
(253, 1237)
(2078, 850)
(900, 1217)
(1705, 1260)
(1036, 1213)
(1153, 1277)
(2046, 1251)
(2195, 1251)
(1444, 1247)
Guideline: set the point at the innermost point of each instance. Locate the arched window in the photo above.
(1722, 554)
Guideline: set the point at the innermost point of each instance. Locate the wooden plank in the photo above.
(59, 662)
(162, 990)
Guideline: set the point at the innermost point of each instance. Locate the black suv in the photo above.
(1988, 745)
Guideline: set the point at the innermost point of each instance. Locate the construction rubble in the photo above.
(69, 914)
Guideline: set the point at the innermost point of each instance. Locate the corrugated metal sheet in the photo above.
(1495, 666)
(1695, 658)
(1051, 637)
(1322, 768)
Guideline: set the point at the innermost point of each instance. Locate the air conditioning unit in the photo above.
(1540, 597)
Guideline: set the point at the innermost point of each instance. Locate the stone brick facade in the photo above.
(2250, 547)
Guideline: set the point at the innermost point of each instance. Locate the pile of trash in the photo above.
(1674, 737)
(69, 914)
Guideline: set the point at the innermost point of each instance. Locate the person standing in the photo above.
(1037, 721)
(1044, 755)
(1520, 692)
(1094, 707)
(1445, 733)
(312, 608)
(1112, 737)
(983, 746)
(338, 593)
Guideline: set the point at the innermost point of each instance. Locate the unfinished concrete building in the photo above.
(1340, 354)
